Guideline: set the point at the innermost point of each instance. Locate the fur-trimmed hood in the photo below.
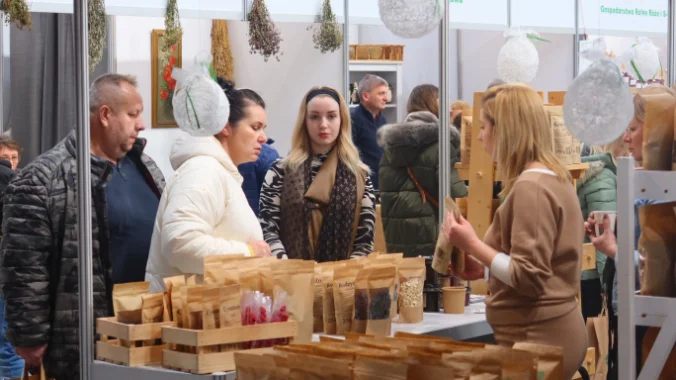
(596, 165)
(420, 129)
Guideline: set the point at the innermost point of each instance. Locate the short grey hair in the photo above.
(369, 82)
(99, 92)
(495, 83)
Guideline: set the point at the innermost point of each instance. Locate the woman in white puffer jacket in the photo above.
(203, 210)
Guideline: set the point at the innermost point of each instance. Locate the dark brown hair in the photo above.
(10, 143)
(424, 97)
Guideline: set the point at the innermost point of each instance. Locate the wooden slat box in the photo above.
(127, 347)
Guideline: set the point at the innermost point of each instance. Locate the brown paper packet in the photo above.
(329, 309)
(152, 312)
(373, 369)
(281, 359)
(250, 278)
(550, 359)
(230, 299)
(380, 282)
(318, 368)
(192, 280)
(254, 367)
(509, 363)
(127, 301)
(361, 301)
(267, 281)
(445, 252)
(658, 131)
(566, 147)
(176, 305)
(394, 259)
(213, 270)
(411, 282)
(657, 248)
(343, 296)
(194, 296)
(427, 372)
(211, 310)
(169, 284)
(318, 305)
(296, 278)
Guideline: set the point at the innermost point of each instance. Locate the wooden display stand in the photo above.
(127, 349)
(198, 341)
(482, 175)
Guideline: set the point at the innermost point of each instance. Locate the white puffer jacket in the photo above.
(203, 212)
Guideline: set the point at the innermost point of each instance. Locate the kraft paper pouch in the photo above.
(318, 305)
(566, 147)
(426, 372)
(195, 294)
(169, 284)
(394, 259)
(127, 301)
(281, 359)
(318, 368)
(658, 131)
(412, 274)
(501, 361)
(445, 252)
(380, 283)
(372, 369)
(343, 296)
(329, 308)
(177, 305)
(550, 359)
(211, 310)
(296, 278)
(657, 247)
(267, 281)
(254, 367)
(152, 312)
(361, 301)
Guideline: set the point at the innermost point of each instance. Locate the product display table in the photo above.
(469, 326)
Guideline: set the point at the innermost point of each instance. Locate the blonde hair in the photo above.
(522, 132)
(617, 148)
(301, 148)
(462, 106)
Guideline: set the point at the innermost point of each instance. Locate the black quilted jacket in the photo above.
(39, 261)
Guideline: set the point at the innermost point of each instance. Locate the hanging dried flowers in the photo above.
(264, 37)
(220, 50)
(96, 15)
(327, 35)
(172, 25)
(17, 12)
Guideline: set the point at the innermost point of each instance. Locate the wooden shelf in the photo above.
(576, 171)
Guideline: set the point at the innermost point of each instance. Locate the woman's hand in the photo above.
(260, 248)
(460, 232)
(605, 242)
(474, 270)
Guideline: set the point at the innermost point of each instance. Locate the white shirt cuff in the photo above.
(500, 268)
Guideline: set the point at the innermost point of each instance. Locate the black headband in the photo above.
(322, 91)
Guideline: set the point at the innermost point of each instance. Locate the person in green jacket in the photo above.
(409, 175)
(597, 191)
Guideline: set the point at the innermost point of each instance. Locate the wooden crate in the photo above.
(367, 52)
(127, 346)
(203, 362)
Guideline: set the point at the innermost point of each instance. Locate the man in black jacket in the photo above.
(40, 245)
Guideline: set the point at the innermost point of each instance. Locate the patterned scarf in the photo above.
(319, 218)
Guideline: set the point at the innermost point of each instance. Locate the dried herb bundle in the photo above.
(220, 50)
(327, 35)
(98, 23)
(172, 25)
(16, 11)
(264, 37)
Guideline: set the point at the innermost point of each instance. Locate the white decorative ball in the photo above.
(598, 105)
(200, 105)
(646, 58)
(518, 60)
(410, 18)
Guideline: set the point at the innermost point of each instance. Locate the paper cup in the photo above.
(598, 217)
(454, 299)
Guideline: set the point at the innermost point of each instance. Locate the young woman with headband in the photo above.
(318, 202)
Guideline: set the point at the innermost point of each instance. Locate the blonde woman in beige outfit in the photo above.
(534, 245)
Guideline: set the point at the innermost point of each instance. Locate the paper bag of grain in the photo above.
(658, 131)
(566, 147)
(128, 301)
(445, 252)
(657, 247)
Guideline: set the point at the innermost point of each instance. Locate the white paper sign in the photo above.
(624, 17)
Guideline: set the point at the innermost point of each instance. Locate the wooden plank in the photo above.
(131, 357)
(205, 363)
(201, 338)
(588, 257)
(556, 97)
(112, 328)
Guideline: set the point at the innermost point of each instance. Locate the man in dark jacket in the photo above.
(254, 174)
(40, 244)
(367, 118)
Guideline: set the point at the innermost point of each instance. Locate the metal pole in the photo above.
(2, 78)
(84, 210)
(346, 51)
(444, 110)
(576, 41)
(509, 13)
(245, 10)
(458, 42)
(671, 62)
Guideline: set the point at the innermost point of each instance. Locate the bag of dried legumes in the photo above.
(411, 282)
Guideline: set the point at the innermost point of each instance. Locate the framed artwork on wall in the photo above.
(163, 61)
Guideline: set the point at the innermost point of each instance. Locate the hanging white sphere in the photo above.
(410, 18)
(598, 105)
(200, 105)
(646, 58)
(518, 59)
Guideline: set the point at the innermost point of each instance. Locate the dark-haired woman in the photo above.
(203, 210)
(318, 202)
(409, 175)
